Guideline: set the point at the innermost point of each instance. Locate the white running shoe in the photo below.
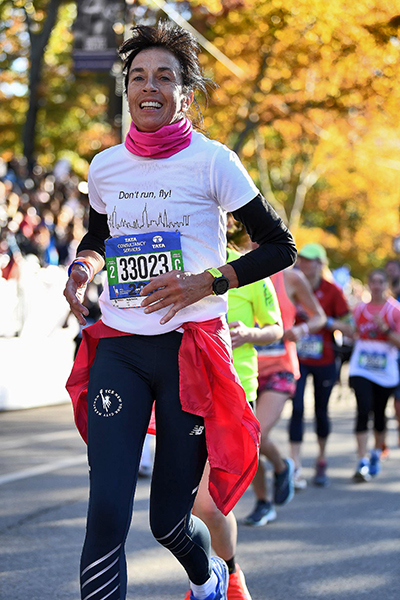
(299, 482)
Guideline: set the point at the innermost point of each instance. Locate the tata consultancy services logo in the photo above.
(157, 239)
(107, 403)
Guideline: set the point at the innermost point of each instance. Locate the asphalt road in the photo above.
(338, 543)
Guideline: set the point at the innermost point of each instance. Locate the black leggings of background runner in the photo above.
(371, 398)
(127, 375)
(324, 377)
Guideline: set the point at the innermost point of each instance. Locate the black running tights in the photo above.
(127, 375)
(324, 377)
(371, 398)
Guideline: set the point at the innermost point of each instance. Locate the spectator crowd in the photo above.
(42, 219)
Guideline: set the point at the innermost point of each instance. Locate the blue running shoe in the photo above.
(362, 473)
(263, 513)
(374, 463)
(220, 568)
(284, 484)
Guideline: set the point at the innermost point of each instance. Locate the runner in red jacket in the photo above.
(158, 206)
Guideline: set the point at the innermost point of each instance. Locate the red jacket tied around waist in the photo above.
(210, 388)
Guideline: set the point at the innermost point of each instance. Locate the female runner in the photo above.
(374, 372)
(158, 208)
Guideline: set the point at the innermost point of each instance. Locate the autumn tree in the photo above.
(38, 38)
(313, 115)
(319, 94)
(65, 113)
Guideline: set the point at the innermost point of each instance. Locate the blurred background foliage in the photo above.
(313, 116)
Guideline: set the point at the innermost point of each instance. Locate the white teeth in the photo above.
(150, 105)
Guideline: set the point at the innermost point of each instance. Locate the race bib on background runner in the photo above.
(310, 346)
(133, 259)
(272, 350)
(372, 361)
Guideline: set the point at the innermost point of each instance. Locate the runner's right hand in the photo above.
(75, 292)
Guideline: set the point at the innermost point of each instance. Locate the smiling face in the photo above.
(155, 90)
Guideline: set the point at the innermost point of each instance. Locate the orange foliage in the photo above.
(315, 118)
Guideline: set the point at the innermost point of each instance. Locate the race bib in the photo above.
(270, 350)
(310, 346)
(133, 259)
(372, 361)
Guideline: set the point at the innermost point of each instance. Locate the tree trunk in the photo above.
(249, 124)
(307, 180)
(265, 182)
(38, 45)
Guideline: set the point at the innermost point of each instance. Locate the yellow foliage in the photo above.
(322, 92)
(317, 108)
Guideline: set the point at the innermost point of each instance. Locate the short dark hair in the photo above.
(183, 46)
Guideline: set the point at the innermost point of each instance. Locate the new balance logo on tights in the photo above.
(197, 430)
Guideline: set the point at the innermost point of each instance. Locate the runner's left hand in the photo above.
(175, 290)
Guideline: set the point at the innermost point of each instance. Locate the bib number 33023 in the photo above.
(132, 260)
(132, 268)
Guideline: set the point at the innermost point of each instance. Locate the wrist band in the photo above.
(80, 260)
(85, 261)
(329, 322)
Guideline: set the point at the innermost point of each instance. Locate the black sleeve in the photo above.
(98, 232)
(276, 250)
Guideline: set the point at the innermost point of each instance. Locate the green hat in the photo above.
(314, 252)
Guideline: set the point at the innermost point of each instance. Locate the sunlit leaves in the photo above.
(320, 77)
(72, 118)
(315, 118)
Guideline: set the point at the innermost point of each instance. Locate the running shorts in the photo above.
(282, 381)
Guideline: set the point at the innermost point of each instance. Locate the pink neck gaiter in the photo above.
(163, 143)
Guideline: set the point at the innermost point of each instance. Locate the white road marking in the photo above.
(19, 442)
(41, 469)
